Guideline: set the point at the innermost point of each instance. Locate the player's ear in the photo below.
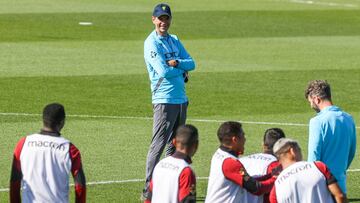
(174, 141)
(265, 148)
(293, 152)
(317, 100)
(234, 139)
(196, 145)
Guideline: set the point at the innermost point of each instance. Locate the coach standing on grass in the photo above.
(167, 62)
(43, 161)
(332, 134)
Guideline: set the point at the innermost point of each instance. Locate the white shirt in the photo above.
(165, 180)
(257, 165)
(45, 165)
(220, 189)
(302, 182)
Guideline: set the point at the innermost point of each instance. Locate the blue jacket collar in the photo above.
(159, 37)
(329, 108)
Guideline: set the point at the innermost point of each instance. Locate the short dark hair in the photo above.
(53, 115)
(229, 129)
(187, 135)
(271, 136)
(320, 88)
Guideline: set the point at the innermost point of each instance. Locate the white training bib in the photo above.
(220, 189)
(257, 165)
(45, 165)
(302, 182)
(165, 179)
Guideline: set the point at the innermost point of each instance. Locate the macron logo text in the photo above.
(46, 144)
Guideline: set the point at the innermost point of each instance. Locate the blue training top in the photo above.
(167, 83)
(332, 140)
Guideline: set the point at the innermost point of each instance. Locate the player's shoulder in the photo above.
(73, 146)
(21, 141)
(232, 161)
(348, 116)
(150, 39)
(318, 119)
(188, 170)
(320, 164)
(323, 168)
(175, 37)
(33, 137)
(259, 156)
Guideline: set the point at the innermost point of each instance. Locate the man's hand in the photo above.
(276, 171)
(336, 192)
(172, 63)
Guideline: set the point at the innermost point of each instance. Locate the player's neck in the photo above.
(268, 151)
(324, 104)
(231, 149)
(47, 129)
(184, 151)
(287, 162)
(162, 34)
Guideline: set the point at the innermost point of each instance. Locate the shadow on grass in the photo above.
(354, 200)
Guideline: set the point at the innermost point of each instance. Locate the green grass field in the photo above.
(254, 59)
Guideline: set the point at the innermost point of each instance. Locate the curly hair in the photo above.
(320, 88)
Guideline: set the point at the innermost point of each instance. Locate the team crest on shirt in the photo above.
(153, 54)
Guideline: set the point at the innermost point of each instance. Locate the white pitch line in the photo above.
(324, 3)
(113, 181)
(247, 122)
(150, 118)
(85, 23)
(137, 180)
(19, 114)
(127, 181)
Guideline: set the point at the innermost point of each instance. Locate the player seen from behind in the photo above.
(173, 180)
(43, 161)
(261, 164)
(302, 181)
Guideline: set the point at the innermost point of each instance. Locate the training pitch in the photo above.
(254, 59)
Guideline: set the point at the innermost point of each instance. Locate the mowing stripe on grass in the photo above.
(324, 3)
(138, 180)
(150, 118)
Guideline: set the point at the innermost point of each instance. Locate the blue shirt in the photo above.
(167, 83)
(332, 140)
